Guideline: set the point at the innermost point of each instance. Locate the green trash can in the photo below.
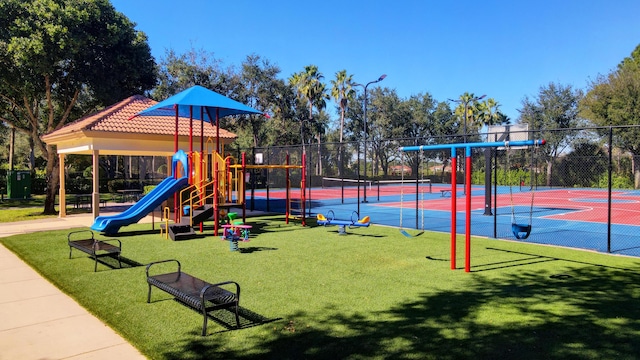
(18, 184)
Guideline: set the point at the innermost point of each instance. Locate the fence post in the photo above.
(610, 170)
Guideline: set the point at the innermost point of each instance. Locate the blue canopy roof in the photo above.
(197, 98)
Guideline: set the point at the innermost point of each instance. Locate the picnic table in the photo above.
(130, 194)
(82, 200)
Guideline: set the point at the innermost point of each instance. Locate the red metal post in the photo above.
(303, 190)
(467, 238)
(218, 130)
(453, 208)
(175, 138)
(201, 131)
(241, 185)
(216, 215)
(287, 207)
(175, 173)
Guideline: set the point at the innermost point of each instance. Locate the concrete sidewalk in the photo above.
(38, 321)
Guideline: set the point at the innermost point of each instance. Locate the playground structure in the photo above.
(355, 221)
(217, 184)
(207, 185)
(467, 148)
(209, 182)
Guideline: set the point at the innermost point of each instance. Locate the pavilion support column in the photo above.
(95, 201)
(62, 194)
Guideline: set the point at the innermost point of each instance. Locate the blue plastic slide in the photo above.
(111, 224)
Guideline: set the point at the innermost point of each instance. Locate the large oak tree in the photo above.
(614, 100)
(554, 114)
(60, 59)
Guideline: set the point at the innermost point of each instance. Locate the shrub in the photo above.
(115, 185)
(148, 189)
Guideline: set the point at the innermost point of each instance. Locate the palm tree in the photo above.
(467, 107)
(488, 113)
(467, 102)
(312, 91)
(342, 92)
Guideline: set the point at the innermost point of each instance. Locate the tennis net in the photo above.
(380, 187)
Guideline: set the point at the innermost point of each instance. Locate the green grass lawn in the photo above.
(311, 293)
(12, 210)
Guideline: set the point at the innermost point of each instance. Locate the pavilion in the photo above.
(115, 131)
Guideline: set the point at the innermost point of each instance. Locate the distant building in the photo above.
(398, 170)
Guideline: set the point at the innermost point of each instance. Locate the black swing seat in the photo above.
(521, 231)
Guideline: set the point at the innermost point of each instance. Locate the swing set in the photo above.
(467, 149)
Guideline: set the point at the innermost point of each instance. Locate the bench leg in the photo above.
(70, 249)
(149, 295)
(237, 317)
(204, 323)
(95, 266)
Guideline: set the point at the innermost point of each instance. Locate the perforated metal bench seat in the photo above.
(196, 293)
(96, 248)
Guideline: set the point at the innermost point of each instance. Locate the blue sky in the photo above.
(504, 49)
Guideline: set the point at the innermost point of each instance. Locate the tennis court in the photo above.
(574, 217)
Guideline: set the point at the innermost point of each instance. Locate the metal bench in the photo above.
(96, 248)
(195, 293)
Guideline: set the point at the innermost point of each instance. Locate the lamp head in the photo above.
(382, 77)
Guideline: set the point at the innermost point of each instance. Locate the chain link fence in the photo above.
(579, 190)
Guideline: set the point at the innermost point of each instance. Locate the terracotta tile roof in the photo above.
(117, 119)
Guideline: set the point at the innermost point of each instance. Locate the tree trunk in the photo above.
(12, 144)
(549, 169)
(384, 163)
(53, 176)
(32, 155)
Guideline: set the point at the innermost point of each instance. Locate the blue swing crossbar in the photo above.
(473, 145)
(521, 231)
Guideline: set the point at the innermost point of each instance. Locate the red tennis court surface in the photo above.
(577, 205)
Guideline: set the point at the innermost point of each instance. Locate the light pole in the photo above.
(464, 129)
(364, 199)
